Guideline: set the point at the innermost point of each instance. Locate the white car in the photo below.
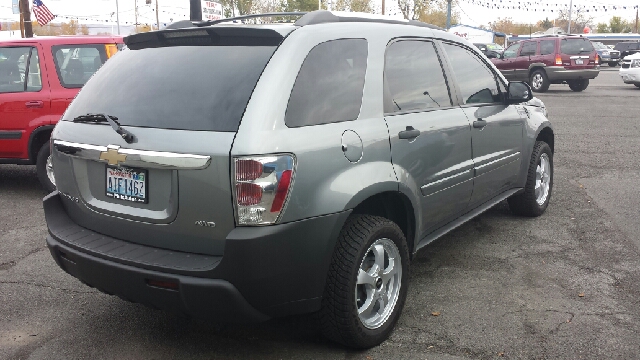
(630, 69)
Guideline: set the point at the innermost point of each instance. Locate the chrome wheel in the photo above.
(543, 179)
(49, 167)
(537, 81)
(378, 284)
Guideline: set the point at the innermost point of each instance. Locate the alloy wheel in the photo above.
(378, 284)
(543, 179)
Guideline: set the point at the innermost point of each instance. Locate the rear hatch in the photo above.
(180, 94)
(577, 53)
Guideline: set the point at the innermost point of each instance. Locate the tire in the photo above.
(42, 161)
(355, 250)
(529, 202)
(613, 64)
(539, 81)
(637, 85)
(578, 85)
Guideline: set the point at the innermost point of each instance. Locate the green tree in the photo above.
(545, 24)
(299, 5)
(602, 28)
(619, 25)
(354, 5)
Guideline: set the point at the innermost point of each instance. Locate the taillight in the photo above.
(597, 59)
(558, 59)
(110, 49)
(262, 185)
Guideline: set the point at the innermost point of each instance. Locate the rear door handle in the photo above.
(34, 104)
(409, 134)
(479, 124)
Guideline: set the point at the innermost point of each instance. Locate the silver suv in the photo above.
(244, 172)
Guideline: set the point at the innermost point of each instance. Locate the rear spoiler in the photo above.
(218, 36)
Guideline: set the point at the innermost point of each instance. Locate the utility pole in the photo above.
(570, 10)
(118, 16)
(135, 4)
(449, 14)
(383, 7)
(157, 17)
(25, 19)
(196, 10)
(636, 20)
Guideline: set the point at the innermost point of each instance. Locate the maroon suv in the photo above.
(550, 60)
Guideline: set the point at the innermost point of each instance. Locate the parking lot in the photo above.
(561, 286)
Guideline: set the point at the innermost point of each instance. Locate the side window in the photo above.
(511, 51)
(75, 64)
(19, 69)
(413, 77)
(329, 85)
(529, 48)
(547, 47)
(476, 81)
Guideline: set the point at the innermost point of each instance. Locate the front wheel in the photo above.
(613, 64)
(367, 282)
(637, 85)
(533, 201)
(44, 169)
(578, 85)
(539, 81)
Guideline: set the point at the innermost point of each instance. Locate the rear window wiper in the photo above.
(112, 120)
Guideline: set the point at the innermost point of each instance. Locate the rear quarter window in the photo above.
(329, 85)
(75, 64)
(575, 46)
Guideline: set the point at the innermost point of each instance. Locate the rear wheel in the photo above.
(613, 64)
(578, 85)
(44, 169)
(637, 85)
(539, 81)
(533, 201)
(366, 285)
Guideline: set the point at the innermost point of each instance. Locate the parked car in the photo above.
(38, 79)
(606, 54)
(627, 48)
(297, 192)
(491, 50)
(550, 60)
(630, 69)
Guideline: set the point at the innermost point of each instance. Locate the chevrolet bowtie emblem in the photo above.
(111, 156)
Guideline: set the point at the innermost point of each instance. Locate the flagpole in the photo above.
(118, 16)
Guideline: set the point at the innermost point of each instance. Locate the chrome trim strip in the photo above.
(579, 57)
(446, 183)
(136, 158)
(492, 165)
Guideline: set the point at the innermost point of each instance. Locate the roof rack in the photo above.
(308, 18)
(246, 17)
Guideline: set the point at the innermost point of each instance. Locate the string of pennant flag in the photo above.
(545, 6)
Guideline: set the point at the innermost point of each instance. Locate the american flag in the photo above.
(43, 15)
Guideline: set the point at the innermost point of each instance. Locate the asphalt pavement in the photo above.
(561, 286)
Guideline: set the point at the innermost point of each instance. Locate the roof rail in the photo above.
(246, 17)
(324, 16)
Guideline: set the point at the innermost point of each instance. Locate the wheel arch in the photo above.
(38, 137)
(546, 134)
(536, 66)
(395, 206)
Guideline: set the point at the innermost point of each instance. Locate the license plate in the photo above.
(579, 62)
(127, 184)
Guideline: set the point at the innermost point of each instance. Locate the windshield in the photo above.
(495, 47)
(177, 87)
(575, 46)
(600, 46)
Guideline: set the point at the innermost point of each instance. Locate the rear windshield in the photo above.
(186, 87)
(575, 46)
(600, 46)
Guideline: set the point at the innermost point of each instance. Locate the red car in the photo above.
(38, 79)
(550, 60)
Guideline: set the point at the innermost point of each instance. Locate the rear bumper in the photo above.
(265, 271)
(559, 73)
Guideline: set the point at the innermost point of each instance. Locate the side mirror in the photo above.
(518, 92)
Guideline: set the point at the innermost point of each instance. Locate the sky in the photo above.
(472, 12)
